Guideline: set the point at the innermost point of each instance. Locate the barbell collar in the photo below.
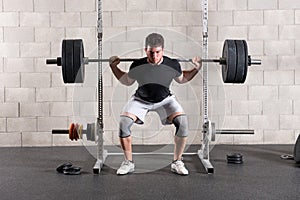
(54, 61)
(253, 61)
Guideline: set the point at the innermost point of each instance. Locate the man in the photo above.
(154, 75)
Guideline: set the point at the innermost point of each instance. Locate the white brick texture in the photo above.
(80, 6)
(262, 4)
(9, 19)
(49, 6)
(34, 19)
(34, 100)
(18, 5)
(289, 4)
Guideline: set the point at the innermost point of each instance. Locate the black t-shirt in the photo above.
(154, 80)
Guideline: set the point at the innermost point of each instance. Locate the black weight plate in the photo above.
(63, 60)
(235, 162)
(297, 150)
(78, 67)
(61, 168)
(234, 158)
(235, 155)
(240, 61)
(93, 132)
(229, 68)
(246, 61)
(67, 64)
(88, 131)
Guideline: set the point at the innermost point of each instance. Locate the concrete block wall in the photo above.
(34, 100)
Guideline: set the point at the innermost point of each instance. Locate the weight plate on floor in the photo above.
(241, 64)
(78, 63)
(235, 162)
(229, 68)
(235, 158)
(287, 157)
(235, 155)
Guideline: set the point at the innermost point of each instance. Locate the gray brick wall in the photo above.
(34, 100)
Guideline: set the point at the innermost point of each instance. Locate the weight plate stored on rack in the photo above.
(89, 131)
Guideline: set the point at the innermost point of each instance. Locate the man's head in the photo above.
(154, 46)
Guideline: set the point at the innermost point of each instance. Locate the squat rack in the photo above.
(208, 127)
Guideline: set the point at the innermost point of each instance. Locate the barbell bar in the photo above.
(87, 60)
(235, 61)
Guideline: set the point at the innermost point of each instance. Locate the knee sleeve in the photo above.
(181, 124)
(124, 127)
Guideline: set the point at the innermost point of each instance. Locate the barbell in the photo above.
(235, 61)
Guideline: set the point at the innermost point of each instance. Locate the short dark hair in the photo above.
(154, 40)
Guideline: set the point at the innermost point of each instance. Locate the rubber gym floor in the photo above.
(30, 173)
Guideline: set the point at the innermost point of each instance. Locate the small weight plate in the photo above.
(80, 131)
(93, 132)
(235, 155)
(88, 131)
(235, 158)
(229, 68)
(235, 162)
(71, 131)
(240, 61)
(287, 157)
(76, 133)
(213, 132)
(78, 66)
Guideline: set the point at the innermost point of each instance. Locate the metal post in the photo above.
(203, 153)
(101, 153)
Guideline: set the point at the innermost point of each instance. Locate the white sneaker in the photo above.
(179, 168)
(126, 167)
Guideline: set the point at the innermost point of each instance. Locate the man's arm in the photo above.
(188, 75)
(119, 74)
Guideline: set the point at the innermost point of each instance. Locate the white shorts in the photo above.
(164, 109)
